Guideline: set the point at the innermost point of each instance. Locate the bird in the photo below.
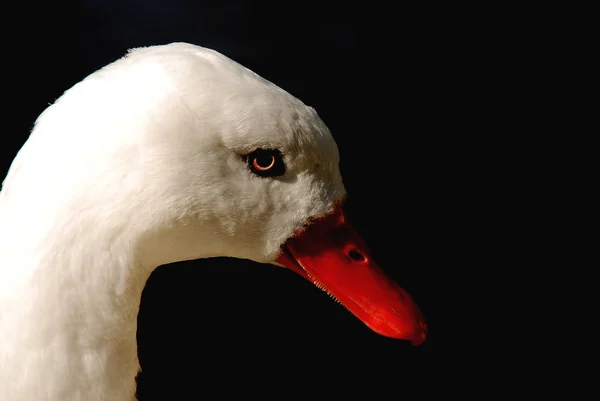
(173, 152)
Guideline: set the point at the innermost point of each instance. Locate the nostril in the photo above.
(356, 255)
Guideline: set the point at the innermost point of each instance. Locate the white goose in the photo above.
(171, 153)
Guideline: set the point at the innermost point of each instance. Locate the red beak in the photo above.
(330, 254)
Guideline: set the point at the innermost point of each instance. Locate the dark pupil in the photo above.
(264, 160)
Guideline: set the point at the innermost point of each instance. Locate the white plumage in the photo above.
(139, 165)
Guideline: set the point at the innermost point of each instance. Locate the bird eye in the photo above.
(266, 162)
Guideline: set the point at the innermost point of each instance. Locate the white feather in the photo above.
(139, 165)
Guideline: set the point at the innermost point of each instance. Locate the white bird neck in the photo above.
(75, 303)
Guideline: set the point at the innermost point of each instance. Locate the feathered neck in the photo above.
(75, 302)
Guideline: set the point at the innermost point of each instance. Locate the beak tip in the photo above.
(419, 338)
(421, 335)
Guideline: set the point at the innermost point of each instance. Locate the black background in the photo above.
(402, 90)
